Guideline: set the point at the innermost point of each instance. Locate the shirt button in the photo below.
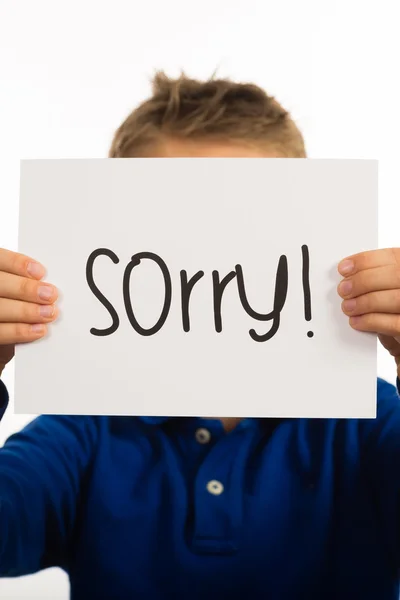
(215, 487)
(203, 436)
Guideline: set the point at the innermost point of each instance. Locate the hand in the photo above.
(371, 292)
(26, 303)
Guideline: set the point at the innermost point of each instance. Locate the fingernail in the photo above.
(37, 328)
(345, 287)
(47, 311)
(346, 267)
(45, 292)
(36, 270)
(349, 305)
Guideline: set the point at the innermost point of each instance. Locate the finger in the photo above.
(22, 288)
(19, 333)
(387, 301)
(19, 264)
(16, 311)
(378, 323)
(371, 280)
(391, 344)
(369, 260)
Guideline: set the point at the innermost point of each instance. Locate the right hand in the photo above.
(24, 308)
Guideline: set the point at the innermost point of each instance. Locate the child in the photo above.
(184, 508)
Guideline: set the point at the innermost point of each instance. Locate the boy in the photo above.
(207, 508)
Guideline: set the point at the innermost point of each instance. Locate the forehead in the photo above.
(175, 148)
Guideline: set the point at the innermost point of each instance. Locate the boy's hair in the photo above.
(217, 109)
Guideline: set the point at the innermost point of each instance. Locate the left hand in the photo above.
(371, 295)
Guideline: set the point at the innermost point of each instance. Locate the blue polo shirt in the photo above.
(147, 508)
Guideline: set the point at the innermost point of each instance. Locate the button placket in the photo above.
(219, 496)
(202, 435)
(215, 487)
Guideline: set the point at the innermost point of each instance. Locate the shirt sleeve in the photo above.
(42, 471)
(380, 455)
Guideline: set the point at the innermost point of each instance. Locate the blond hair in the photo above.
(216, 109)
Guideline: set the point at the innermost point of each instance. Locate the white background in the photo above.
(71, 71)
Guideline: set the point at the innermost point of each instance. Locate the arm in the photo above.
(380, 439)
(42, 469)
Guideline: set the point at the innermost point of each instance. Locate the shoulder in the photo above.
(386, 425)
(386, 389)
(388, 397)
(58, 431)
(87, 430)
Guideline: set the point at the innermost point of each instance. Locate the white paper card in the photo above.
(140, 336)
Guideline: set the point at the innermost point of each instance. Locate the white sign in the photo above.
(198, 287)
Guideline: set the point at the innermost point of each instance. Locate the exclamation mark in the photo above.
(306, 287)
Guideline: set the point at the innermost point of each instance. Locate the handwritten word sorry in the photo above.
(186, 287)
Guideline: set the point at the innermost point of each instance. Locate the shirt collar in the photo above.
(155, 420)
(250, 421)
